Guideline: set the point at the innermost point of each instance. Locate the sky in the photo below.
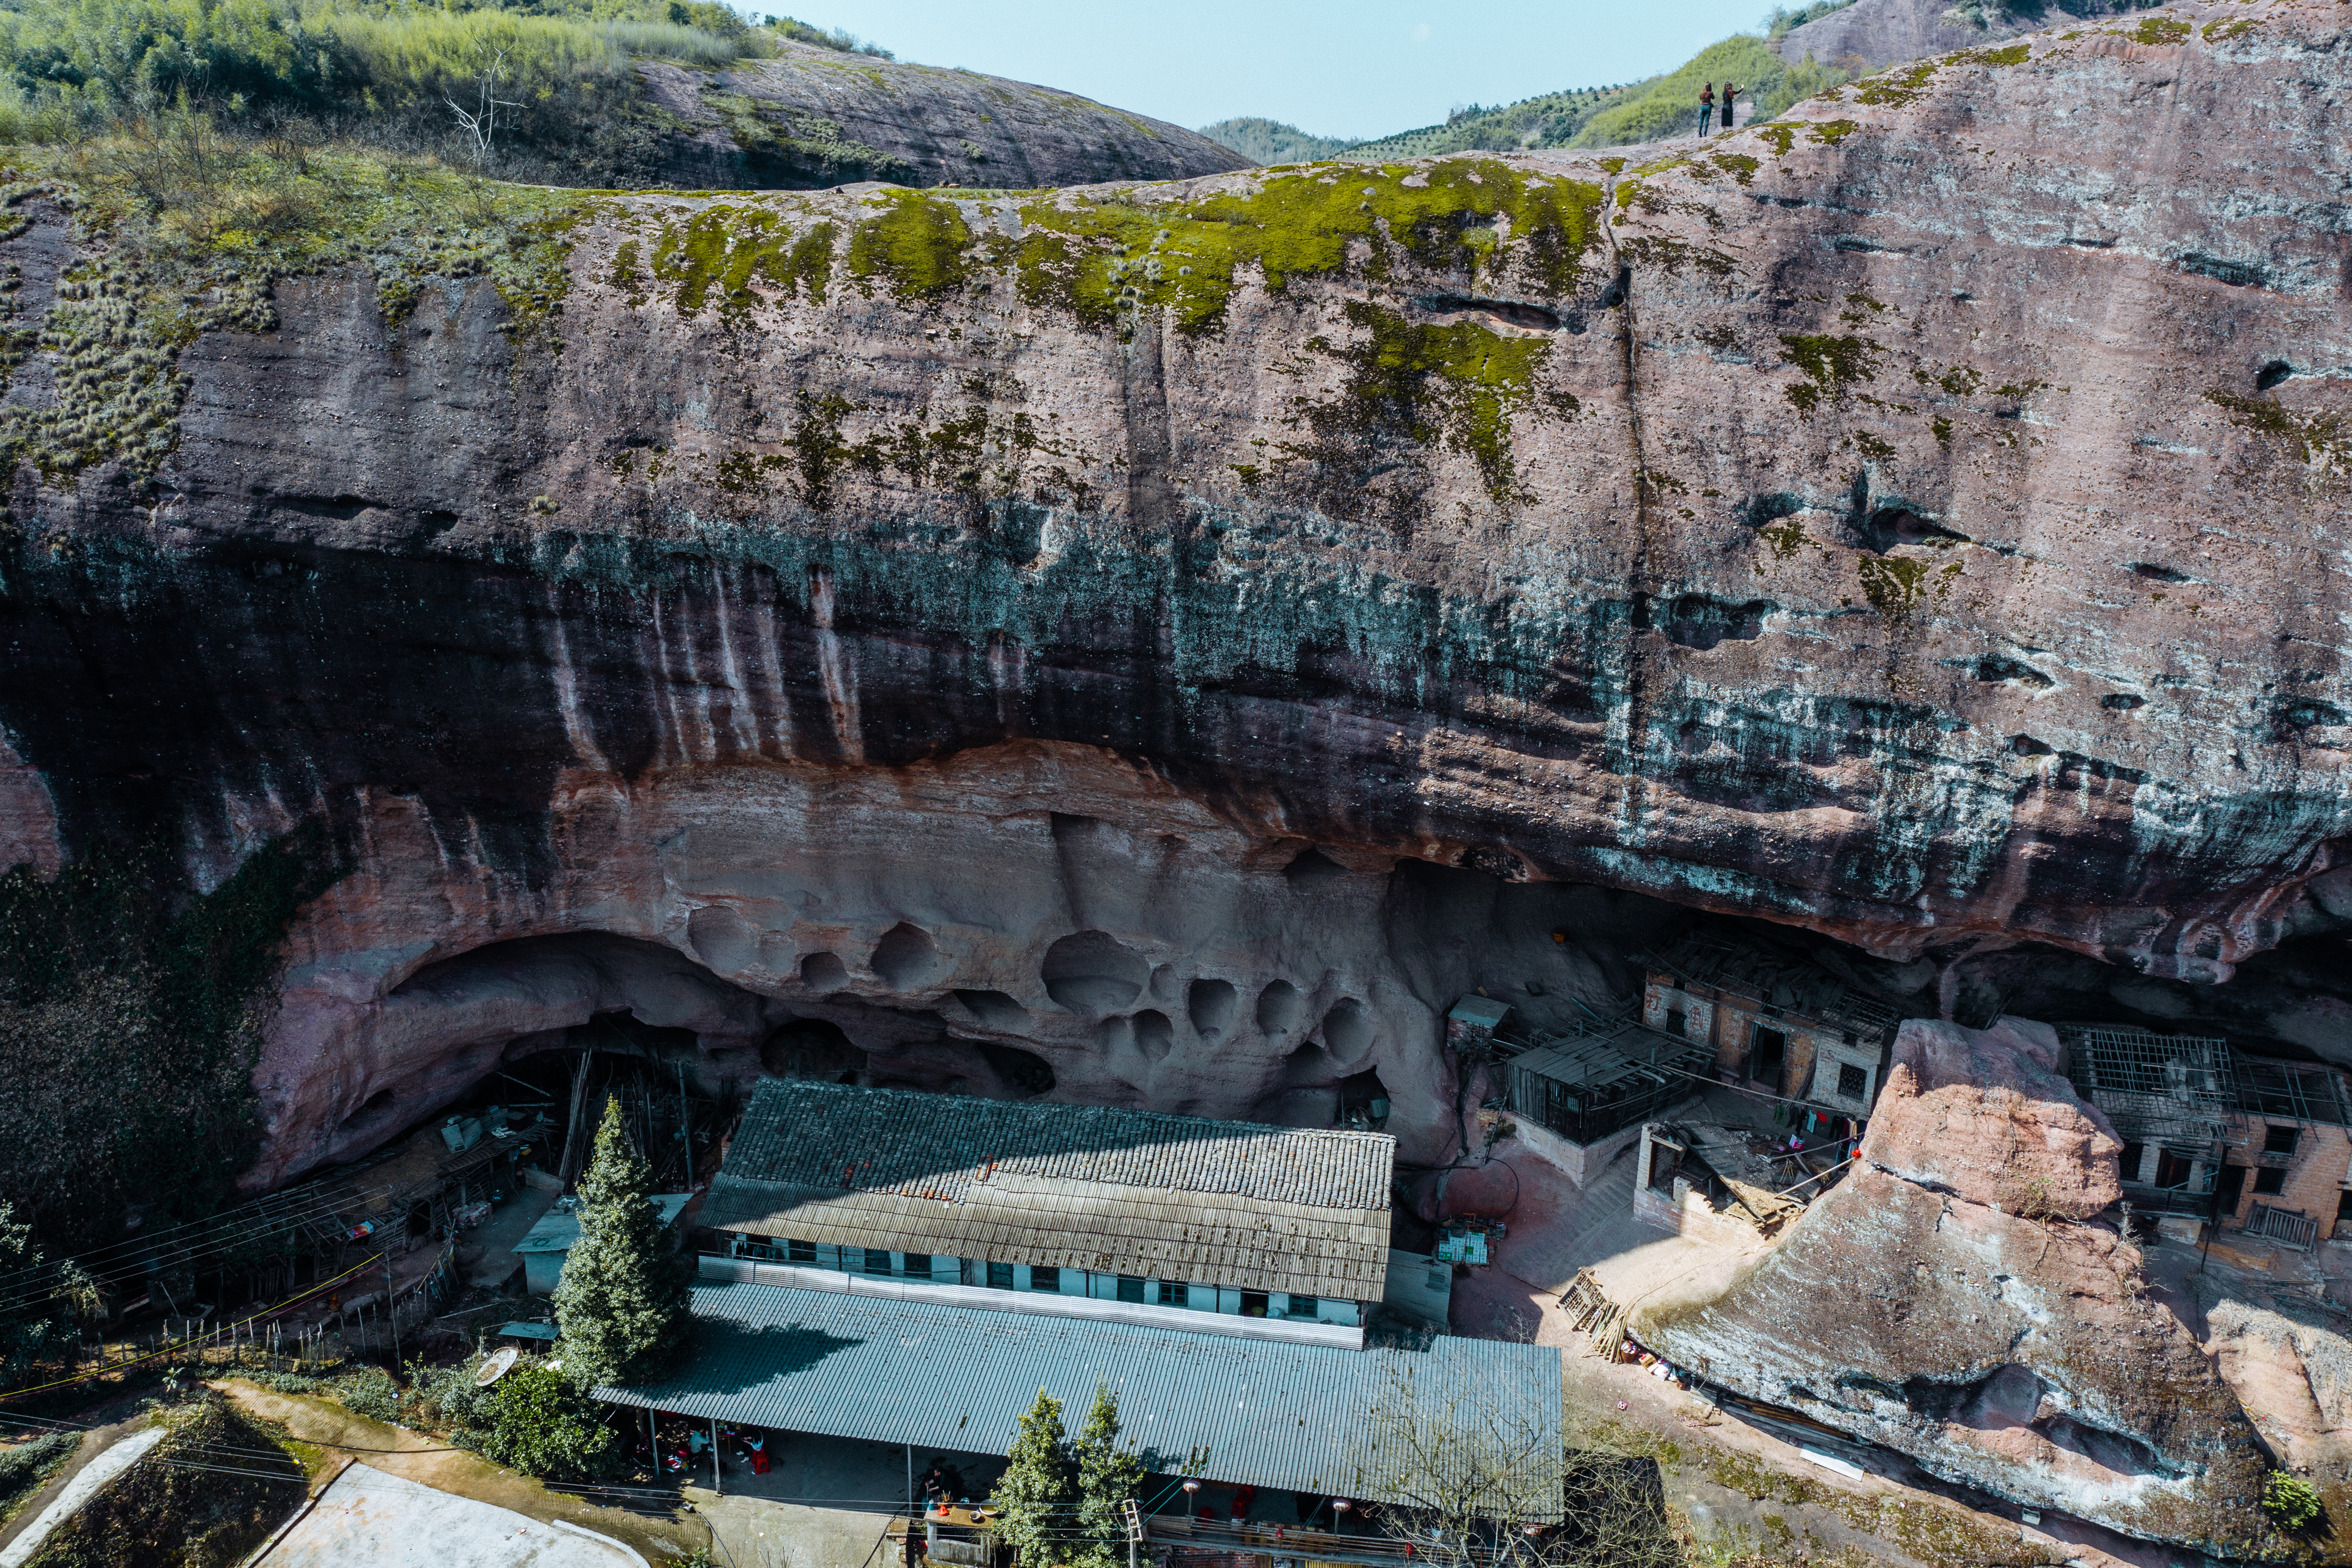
(1334, 67)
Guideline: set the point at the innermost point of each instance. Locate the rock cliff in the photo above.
(1165, 641)
(2005, 1344)
(811, 117)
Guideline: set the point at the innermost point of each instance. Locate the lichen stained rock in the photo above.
(1915, 520)
(2015, 1349)
(810, 117)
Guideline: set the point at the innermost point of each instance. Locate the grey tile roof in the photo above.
(957, 1379)
(1067, 1186)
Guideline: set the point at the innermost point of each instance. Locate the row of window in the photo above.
(944, 1270)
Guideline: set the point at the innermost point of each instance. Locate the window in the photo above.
(1854, 1083)
(2128, 1162)
(1677, 1022)
(2344, 1206)
(919, 1266)
(1303, 1306)
(1253, 1303)
(1046, 1279)
(1000, 1276)
(2269, 1182)
(1131, 1289)
(1174, 1293)
(800, 1251)
(877, 1260)
(2277, 1140)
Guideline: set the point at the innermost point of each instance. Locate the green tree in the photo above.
(541, 1425)
(40, 1329)
(1038, 1490)
(622, 1304)
(1109, 1475)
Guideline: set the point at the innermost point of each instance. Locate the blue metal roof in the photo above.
(558, 1230)
(1244, 1412)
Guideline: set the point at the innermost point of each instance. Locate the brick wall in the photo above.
(2313, 1178)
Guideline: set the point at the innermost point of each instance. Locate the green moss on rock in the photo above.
(1833, 365)
(1456, 382)
(916, 245)
(712, 258)
(1504, 225)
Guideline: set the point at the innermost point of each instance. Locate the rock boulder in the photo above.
(2010, 1347)
(1984, 1115)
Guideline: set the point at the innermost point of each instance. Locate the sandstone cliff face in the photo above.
(811, 117)
(1869, 34)
(2015, 1350)
(1916, 519)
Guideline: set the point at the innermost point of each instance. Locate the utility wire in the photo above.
(184, 1344)
(177, 1254)
(300, 1210)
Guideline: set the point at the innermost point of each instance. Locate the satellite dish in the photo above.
(495, 1367)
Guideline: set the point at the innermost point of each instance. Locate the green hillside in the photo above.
(567, 108)
(1272, 142)
(1660, 106)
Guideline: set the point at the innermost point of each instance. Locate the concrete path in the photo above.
(430, 1462)
(84, 1486)
(370, 1519)
(825, 1502)
(756, 1533)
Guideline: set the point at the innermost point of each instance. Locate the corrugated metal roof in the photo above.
(1064, 1187)
(931, 1145)
(1245, 1411)
(558, 1231)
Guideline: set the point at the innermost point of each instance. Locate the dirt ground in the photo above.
(336, 1432)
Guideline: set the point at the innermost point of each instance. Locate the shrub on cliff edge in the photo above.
(2290, 1500)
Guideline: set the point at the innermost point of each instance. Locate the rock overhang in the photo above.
(1739, 586)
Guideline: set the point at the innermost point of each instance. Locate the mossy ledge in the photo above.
(1098, 257)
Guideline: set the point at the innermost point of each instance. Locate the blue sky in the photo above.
(1360, 68)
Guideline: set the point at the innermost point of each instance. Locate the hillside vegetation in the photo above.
(1659, 106)
(1272, 142)
(544, 91)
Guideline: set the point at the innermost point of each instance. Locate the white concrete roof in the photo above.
(370, 1519)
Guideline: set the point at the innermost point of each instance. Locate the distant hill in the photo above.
(1806, 50)
(1272, 142)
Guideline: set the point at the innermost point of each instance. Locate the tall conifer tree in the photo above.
(1109, 1475)
(622, 1304)
(1037, 1491)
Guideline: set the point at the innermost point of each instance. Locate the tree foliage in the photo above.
(1038, 1490)
(539, 1424)
(622, 1304)
(380, 73)
(40, 1325)
(179, 1506)
(131, 1014)
(1109, 1475)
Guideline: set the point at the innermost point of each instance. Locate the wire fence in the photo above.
(286, 1337)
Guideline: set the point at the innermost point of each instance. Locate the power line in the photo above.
(302, 1209)
(176, 1255)
(184, 1344)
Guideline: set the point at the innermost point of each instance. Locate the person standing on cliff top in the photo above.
(1729, 92)
(1706, 107)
